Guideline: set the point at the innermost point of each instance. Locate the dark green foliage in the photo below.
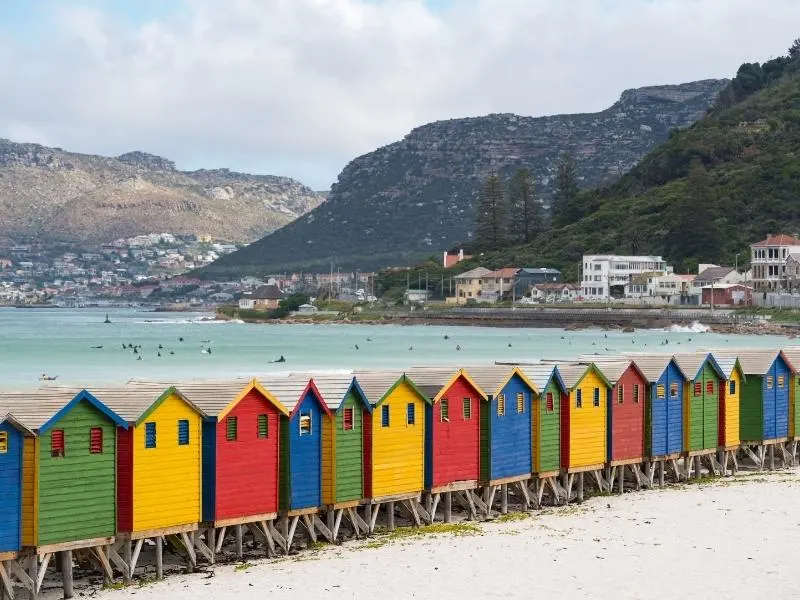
(564, 207)
(492, 218)
(526, 220)
(288, 305)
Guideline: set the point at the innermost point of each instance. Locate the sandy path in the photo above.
(727, 538)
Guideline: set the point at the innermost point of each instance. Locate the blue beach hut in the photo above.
(664, 405)
(506, 429)
(12, 437)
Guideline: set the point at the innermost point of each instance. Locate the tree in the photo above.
(525, 220)
(694, 232)
(563, 206)
(491, 223)
(794, 50)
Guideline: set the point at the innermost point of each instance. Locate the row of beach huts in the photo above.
(108, 478)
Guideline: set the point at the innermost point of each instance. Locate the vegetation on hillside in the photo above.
(703, 196)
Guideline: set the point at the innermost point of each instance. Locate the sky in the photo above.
(301, 87)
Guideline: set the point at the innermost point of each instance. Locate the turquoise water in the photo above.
(59, 342)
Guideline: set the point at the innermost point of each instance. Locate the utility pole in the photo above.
(330, 284)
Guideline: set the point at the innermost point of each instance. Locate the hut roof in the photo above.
(135, 401)
(614, 369)
(692, 362)
(433, 381)
(492, 378)
(653, 366)
(541, 374)
(376, 384)
(572, 373)
(40, 409)
(289, 388)
(334, 387)
(217, 398)
(752, 361)
(11, 420)
(792, 354)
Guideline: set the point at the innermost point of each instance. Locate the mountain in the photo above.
(703, 196)
(417, 197)
(47, 193)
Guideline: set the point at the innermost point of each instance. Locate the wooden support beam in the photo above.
(277, 536)
(374, 517)
(580, 486)
(355, 521)
(220, 539)
(291, 532)
(337, 521)
(28, 581)
(204, 548)
(309, 525)
(45, 560)
(159, 557)
(66, 572)
(237, 529)
(435, 499)
(127, 555)
(424, 515)
(523, 490)
(5, 579)
(187, 543)
(268, 535)
(368, 515)
(322, 528)
(411, 505)
(661, 473)
(119, 561)
(211, 540)
(330, 516)
(448, 508)
(390, 516)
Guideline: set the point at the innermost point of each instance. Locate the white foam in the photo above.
(695, 327)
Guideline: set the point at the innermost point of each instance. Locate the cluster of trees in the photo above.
(509, 213)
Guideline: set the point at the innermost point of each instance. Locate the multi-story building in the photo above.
(768, 260)
(606, 275)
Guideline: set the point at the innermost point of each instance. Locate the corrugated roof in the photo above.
(753, 361)
(572, 373)
(333, 387)
(792, 354)
(375, 384)
(213, 397)
(539, 373)
(727, 364)
(287, 388)
(691, 362)
(475, 273)
(490, 378)
(613, 369)
(34, 409)
(135, 399)
(431, 380)
(713, 274)
(653, 366)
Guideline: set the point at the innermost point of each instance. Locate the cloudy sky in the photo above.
(300, 87)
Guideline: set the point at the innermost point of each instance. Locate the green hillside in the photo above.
(704, 195)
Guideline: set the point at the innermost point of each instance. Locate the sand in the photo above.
(733, 537)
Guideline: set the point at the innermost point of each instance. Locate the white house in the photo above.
(556, 292)
(606, 275)
(768, 259)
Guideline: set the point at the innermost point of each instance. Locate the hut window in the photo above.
(673, 390)
(411, 416)
(661, 392)
(620, 393)
(780, 381)
(709, 387)
(95, 440)
(57, 443)
(732, 387)
(501, 405)
(466, 408)
(183, 432)
(3, 442)
(232, 429)
(698, 388)
(263, 427)
(597, 396)
(150, 435)
(579, 399)
(520, 403)
(444, 410)
(305, 423)
(769, 382)
(347, 419)
(548, 405)
(385, 415)
(636, 393)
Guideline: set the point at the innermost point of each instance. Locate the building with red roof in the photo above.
(768, 259)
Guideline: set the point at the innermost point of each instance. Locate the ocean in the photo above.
(78, 348)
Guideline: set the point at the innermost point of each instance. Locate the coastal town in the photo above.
(151, 270)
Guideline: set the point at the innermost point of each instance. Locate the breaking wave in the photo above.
(695, 327)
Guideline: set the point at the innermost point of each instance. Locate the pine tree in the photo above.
(491, 223)
(525, 218)
(563, 206)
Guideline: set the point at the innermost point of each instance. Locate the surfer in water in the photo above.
(279, 360)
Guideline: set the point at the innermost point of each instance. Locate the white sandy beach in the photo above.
(734, 537)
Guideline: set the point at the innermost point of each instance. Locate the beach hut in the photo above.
(301, 445)
(452, 433)
(506, 456)
(12, 439)
(343, 448)
(584, 427)
(67, 495)
(764, 401)
(625, 420)
(729, 408)
(159, 470)
(240, 446)
(792, 354)
(701, 408)
(394, 445)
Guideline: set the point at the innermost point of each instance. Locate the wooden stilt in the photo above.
(239, 546)
(159, 557)
(127, 556)
(580, 486)
(66, 572)
(772, 457)
(448, 507)
(621, 479)
(331, 518)
(390, 515)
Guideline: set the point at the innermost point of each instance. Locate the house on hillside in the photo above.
(498, 284)
(556, 292)
(451, 259)
(266, 297)
(527, 277)
(769, 260)
(468, 285)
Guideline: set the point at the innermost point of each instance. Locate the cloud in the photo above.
(299, 87)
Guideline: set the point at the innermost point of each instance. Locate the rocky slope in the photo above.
(417, 196)
(47, 193)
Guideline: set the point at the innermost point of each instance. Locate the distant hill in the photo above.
(417, 196)
(50, 194)
(703, 196)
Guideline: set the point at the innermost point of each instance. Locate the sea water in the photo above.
(78, 348)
